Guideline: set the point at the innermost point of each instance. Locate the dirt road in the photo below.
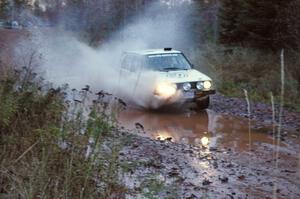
(208, 155)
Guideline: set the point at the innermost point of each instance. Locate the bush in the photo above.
(50, 147)
(235, 69)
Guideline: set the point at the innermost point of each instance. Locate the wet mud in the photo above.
(261, 113)
(208, 155)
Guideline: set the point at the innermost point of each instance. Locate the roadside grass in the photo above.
(151, 187)
(258, 72)
(154, 186)
(131, 166)
(51, 147)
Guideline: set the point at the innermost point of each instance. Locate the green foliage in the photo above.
(262, 24)
(203, 22)
(256, 71)
(152, 187)
(8, 105)
(230, 20)
(44, 141)
(4, 8)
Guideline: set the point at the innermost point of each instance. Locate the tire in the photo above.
(203, 104)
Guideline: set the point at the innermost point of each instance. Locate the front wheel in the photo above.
(203, 103)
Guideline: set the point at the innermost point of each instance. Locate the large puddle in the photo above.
(198, 128)
(252, 150)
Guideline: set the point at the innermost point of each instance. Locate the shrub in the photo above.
(50, 147)
(235, 69)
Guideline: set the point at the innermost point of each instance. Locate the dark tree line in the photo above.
(263, 24)
(8, 8)
(98, 19)
(95, 20)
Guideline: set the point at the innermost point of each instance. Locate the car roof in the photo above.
(153, 51)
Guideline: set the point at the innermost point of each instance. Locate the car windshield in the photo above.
(166, 62)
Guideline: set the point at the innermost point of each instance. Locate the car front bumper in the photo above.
(201, 94)
(158, 101)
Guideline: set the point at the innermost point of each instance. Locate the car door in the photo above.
(136, 70)
(131, 71)
(127, 77)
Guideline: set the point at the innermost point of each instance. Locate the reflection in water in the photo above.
(163, 135)
(205, 141)
(205, 128)
(204, 165)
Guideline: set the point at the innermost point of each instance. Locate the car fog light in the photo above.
(199, 85)
(207, 84)
(165, 90)
(186, 86)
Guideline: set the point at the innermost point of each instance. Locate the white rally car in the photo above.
(162, 77)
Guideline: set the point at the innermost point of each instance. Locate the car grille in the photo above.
(179, 85)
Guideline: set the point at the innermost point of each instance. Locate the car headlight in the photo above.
(186, 86)
(199, 85)
(165, 89)
(207, 84)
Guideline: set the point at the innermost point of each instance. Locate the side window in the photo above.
(134, 64)
(138, 63)
(126, 62)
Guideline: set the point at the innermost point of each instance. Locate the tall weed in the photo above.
(236, 68)
(44, 139)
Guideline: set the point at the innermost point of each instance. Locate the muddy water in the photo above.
(252, 154)
(198, 128)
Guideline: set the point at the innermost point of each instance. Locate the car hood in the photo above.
(180, 76)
